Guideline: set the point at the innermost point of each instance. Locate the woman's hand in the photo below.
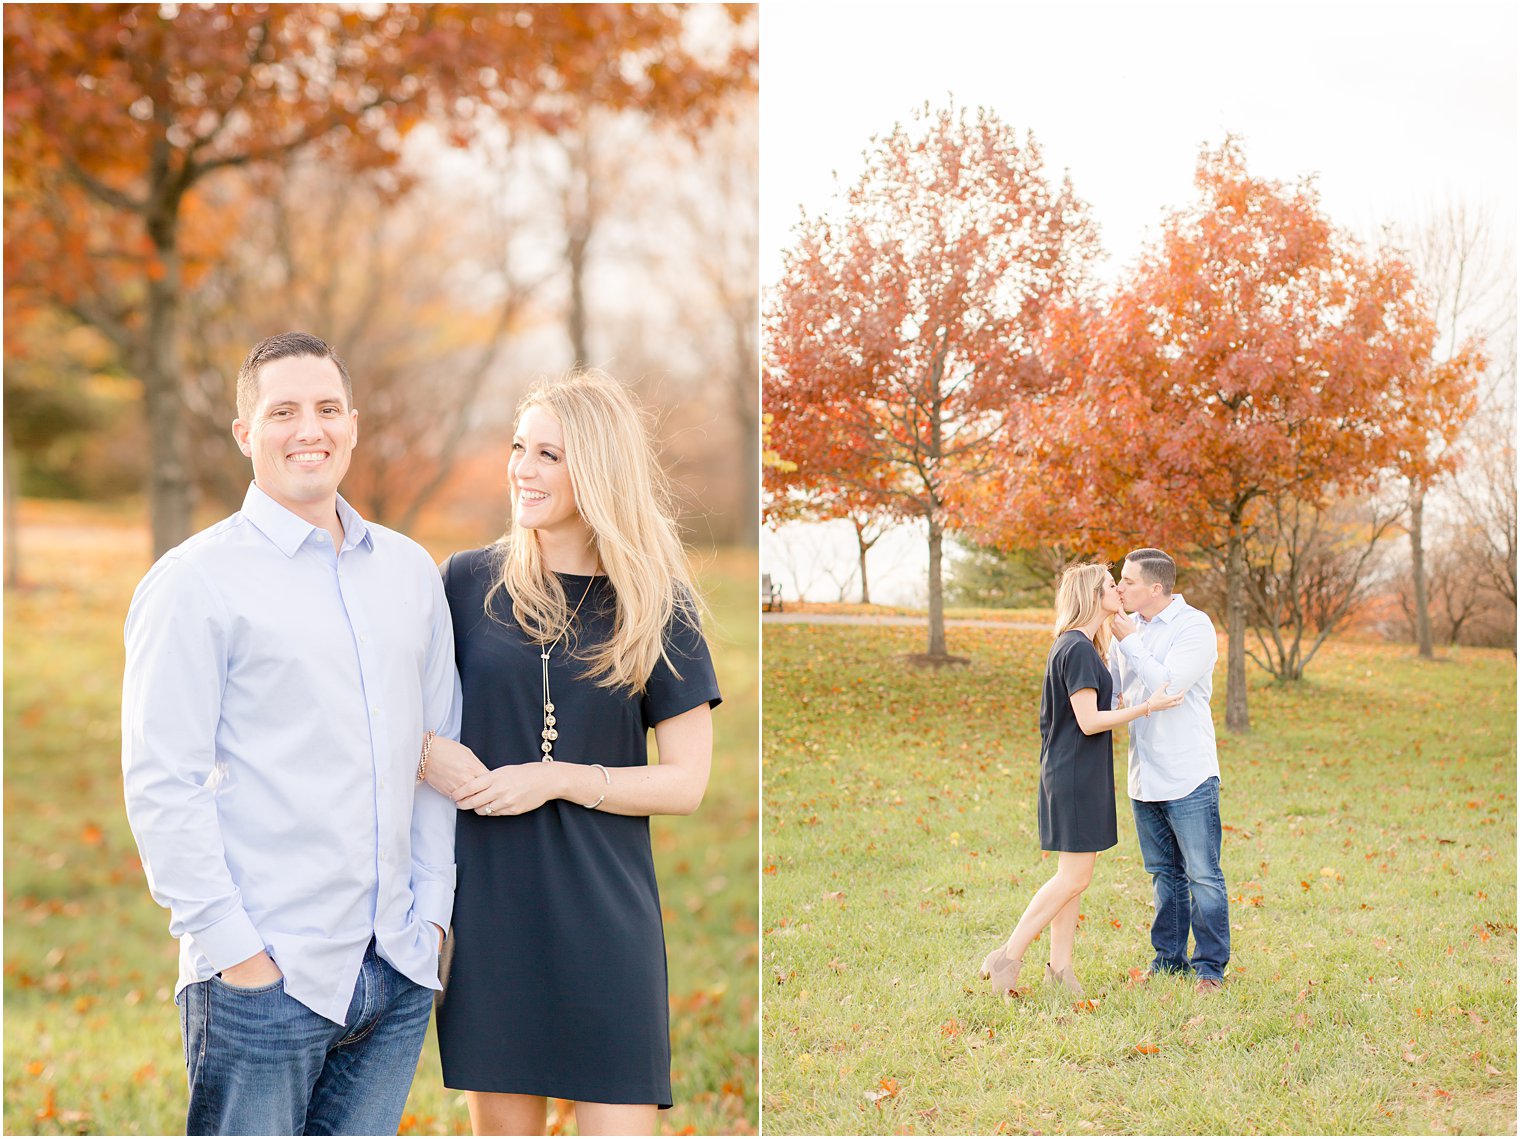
(1161, 700)
(451, 764)
(512, 790)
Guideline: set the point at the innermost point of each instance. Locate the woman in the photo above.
(574, 634)
(1076, 797)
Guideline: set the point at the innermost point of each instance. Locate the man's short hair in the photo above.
(1155, 565)
(280, 347)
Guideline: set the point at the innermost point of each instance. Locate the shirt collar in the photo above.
(1172, 610)
(289, 532)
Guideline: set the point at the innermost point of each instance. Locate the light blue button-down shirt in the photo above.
(274, 703)
(1170, 752)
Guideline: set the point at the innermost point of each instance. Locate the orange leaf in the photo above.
(1147, 1049)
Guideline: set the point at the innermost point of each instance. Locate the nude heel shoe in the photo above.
(1002, 969)
(1067, 978)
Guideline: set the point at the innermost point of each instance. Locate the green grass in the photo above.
(92, 1043)
(1369, 852)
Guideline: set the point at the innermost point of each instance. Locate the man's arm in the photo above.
(1189, 658)
(433, 813)
(176, 666)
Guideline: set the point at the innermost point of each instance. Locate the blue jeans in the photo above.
(262, 1063)
(1180, 842)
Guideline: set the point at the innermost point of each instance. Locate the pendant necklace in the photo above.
(549, 734)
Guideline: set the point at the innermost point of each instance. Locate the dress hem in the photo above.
(513, 1088)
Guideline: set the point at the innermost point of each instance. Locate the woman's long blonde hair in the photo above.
(620, 492)
(1079, 599)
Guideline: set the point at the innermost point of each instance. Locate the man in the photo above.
(1174, 766)
(281, 669)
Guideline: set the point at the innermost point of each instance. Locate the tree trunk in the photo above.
(170, 492)
(1417, 561)
(936, 586)
(12, 501)
(575, 259)
(580, 224)
(865, 548)
(1236, 716)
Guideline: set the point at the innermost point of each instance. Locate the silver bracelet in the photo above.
(608, 778)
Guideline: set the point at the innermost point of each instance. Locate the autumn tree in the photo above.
(1309, 566)
(1467, 281)
(118, 117)
(902, 325)
(1255, 354)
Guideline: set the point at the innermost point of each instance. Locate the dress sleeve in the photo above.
(668, 694)
(1083, 668)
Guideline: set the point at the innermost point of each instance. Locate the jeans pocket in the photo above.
(258, 990)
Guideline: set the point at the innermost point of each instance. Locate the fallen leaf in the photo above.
(1147, 1049)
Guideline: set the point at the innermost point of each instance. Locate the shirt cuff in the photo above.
(1133, 640)
(230, 941)
(434, 902)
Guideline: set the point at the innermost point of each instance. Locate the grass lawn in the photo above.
(1369, 851)
(92, 1042)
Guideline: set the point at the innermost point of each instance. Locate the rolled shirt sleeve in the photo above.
(176, 665)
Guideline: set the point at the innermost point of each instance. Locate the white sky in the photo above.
(1395, 107)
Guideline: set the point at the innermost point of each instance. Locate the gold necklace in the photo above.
(549, 733)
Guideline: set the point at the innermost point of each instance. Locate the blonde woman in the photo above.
(1076, 795)
(575, 634)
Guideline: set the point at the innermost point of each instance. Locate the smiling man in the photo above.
(283, 668)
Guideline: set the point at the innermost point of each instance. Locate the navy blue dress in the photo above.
(558, 984)
(1076, 798)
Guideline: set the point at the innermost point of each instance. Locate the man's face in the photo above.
(1137, 594)
(302, 433)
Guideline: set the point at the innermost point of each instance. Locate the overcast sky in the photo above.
(1394, 107)
(1391, 105)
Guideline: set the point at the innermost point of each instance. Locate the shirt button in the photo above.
(374, 709)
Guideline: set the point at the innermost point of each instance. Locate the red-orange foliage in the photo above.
(1256, 352)
(115, 115)
(902, 329)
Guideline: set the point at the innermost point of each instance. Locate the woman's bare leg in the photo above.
(1073, 874)
(503, 1113)
(1063, 935)
(615, 1118)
